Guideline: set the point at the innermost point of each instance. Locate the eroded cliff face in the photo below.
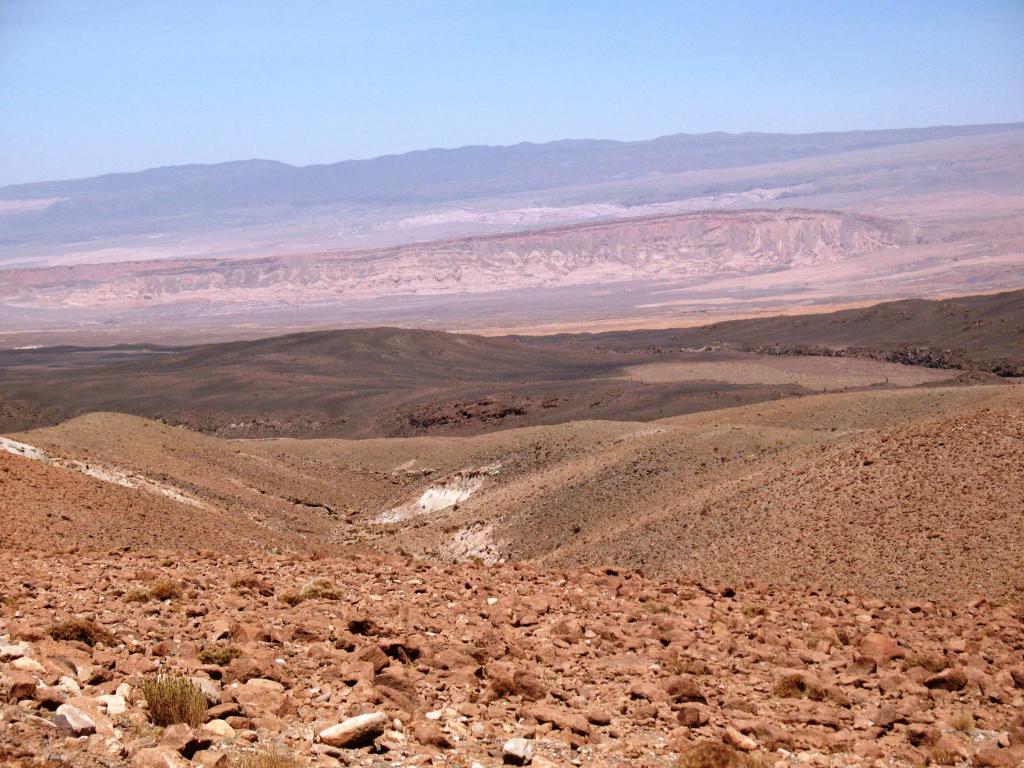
(665, 248)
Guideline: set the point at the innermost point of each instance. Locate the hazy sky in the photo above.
(88, 87)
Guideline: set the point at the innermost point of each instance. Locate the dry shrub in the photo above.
(655, 607)
(159, 590)
(521, 683)
(220, 654)
(686, 665)
(265, 760)
(82, 631)
(714, 754)
(174, 700)
(933, 664)
(501, 684)
(798, 687)
(165, 590)
(938, 755)
(963, 721)
(320, 589)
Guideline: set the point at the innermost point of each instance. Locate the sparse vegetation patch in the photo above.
(82, 631)
(174, 700)
(265, 760)
(219, 654)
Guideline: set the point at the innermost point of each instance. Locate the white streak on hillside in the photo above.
(114, 475)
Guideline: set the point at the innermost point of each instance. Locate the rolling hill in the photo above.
(392, 382)
(851, 491)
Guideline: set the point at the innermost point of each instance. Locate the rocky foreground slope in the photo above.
(483, 665)
(829, 580)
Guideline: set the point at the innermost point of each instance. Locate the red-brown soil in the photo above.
(50, 507)
(597, 667)
(828, 580)
(894, 493)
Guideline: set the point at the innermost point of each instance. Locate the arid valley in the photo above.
(697, 451)
(609, 549)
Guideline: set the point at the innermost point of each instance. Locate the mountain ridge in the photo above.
(923, 133)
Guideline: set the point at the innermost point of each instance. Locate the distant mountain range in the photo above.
(239, 206)
(527, 236)
(449, 174)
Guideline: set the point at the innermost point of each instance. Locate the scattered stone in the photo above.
(584, 667)
(518, 751)
(430, 733)
(948, 680)
(358, 731)
(880, 649)
(69, 718)
(734, 738)
(114, 704)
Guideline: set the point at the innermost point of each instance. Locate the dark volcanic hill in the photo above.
(353, 383)
(983, 332)
(389, 381)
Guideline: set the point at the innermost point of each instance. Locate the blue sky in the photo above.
(88, 87)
